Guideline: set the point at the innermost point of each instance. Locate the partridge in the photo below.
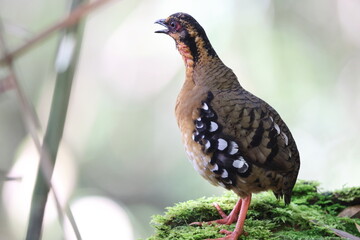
(233, 138)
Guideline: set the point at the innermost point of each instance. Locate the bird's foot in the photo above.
(238, 214)
(226, 219)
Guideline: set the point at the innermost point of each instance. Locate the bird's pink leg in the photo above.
(226, 219)
(239, 228)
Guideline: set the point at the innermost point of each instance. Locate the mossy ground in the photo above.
(311, 215)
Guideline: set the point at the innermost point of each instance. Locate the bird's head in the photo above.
(190, 37)
(181, 27)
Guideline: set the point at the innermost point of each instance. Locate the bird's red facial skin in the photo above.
(177, 26)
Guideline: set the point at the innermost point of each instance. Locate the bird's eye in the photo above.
(172, 24)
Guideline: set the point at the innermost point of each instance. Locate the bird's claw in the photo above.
(220, 211)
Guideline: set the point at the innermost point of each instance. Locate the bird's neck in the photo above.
(195, 49)
(197, 53)
(187, 55)
(205, 68)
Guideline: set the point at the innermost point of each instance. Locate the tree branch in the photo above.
(70, 20)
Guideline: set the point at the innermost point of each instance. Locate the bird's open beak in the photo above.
(162, 22)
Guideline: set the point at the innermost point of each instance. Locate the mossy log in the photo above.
(310, 215)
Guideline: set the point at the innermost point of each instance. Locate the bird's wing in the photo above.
(256, 128)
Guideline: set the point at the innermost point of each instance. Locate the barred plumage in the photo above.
(233, 138)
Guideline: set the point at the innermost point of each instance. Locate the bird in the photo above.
(233, 138)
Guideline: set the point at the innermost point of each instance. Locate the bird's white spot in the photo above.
(225, 174)
(285, 138)
(290, 153)
(199, 124)
(205, 106)
(233, 148)
(207, 145)
(199, 119)
(193, 135)
(277, 128)
(245, 168)
(213, 126)
(216, 167)
(239, 163)
(271, 119)
(229, 182)
(222, 144)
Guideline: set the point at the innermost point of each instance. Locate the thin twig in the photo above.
(73, 18)
(31, 122)
(29, 115)
(65, 66)
(5, 177)
(30, 118)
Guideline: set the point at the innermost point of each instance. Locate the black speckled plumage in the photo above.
(233, 138)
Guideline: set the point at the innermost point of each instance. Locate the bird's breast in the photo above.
(187, 111)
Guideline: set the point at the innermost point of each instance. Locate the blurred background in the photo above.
(121, 159)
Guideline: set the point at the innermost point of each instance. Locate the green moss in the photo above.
(347, 196)
(310, 216)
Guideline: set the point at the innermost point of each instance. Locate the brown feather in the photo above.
(233, 138)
